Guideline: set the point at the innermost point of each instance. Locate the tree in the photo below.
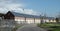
(57, 20)
(1, 14)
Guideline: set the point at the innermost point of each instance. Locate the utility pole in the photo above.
(45, 15)
(24, 17)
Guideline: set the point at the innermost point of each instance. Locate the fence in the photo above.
(6, 25)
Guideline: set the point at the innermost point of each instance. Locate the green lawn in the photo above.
(50, 26)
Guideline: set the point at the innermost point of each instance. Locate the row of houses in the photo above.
(25, 18)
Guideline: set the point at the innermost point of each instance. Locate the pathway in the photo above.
(30, 27)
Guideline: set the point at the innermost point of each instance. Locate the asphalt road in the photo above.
(30, 27)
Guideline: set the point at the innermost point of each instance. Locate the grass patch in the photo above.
(50, 26)
(17, 26)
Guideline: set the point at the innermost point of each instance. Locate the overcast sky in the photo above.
(34, 7)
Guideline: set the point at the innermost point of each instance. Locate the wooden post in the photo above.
(34, 20)
(25, 19)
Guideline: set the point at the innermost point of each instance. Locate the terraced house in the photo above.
(24, 18)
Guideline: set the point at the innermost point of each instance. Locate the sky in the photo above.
(34, 7)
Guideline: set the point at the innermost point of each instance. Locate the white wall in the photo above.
(37, 20)
(54, 20)
(46, 20)
(20, 19)
(51, 21)
(30, 20)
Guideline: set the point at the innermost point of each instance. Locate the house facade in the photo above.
(24, 18)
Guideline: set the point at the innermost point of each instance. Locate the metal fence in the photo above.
(9, 24)
(6, 25)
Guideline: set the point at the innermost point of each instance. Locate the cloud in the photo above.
(27, 11)
(11, 5)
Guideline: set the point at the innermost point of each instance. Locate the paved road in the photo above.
(30, 27)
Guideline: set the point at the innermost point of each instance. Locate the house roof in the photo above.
(50, 18)
(24, 15)
(30, 16)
